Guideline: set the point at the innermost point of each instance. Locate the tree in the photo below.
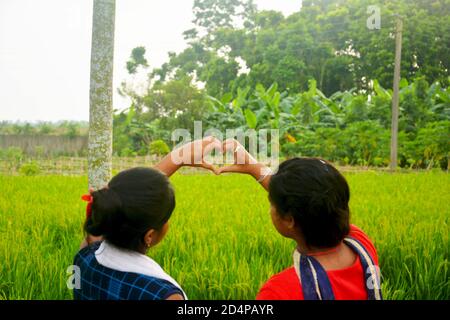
(177, 103)
(211, 15)
(101, 112)
(137, 59)
(326, 40)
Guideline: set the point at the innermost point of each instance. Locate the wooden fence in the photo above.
(72, 165)
(78, 166)
(45, 145)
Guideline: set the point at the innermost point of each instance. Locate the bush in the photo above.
(366, 141)
(30, 169)
(159, 148)
(430, 148)
(361, 143)
(14, 154)
(39, 151)
(127, 152)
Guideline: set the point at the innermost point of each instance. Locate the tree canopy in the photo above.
(326, 40)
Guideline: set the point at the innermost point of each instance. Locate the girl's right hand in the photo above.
(245, 163)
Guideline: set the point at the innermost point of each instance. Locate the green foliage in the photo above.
(361, 143)
(431, 147)
(39, 151)
(319, 76)
(346, 127)
(251, 119)
(30, 169)
(72, 130)
(325, 40)
(127, 152)
(137, 59)
(14, 154)
(159, 147)
(318, 72)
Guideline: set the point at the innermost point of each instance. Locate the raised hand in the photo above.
(192, 154)
(245, 163)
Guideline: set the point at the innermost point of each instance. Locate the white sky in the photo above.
(45, 50)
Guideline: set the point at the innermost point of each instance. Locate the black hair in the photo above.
(316, 195)
(135, 201)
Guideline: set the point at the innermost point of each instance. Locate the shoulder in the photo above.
(282, 286)
(142, 287)
(101, 282)
(359, 235)
(87, 251)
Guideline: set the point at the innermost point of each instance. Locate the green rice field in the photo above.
(221, 243)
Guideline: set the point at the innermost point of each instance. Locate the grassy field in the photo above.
(221, 244)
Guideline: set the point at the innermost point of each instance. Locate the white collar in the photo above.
(124, 260)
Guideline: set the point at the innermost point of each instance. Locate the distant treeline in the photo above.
(61, 128)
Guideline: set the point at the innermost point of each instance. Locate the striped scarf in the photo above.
(315, 282)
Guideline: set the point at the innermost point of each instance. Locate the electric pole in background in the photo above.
(395, 97)
(101, 91)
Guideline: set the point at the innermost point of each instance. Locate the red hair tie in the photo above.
(89, 199)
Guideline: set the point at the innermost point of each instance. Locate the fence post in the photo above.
(395, 97)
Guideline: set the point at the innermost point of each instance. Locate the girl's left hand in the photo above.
(191, 154)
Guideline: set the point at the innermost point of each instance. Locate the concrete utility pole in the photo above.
(395, 97)
(101, 90)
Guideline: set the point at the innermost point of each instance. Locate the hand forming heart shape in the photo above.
(196, 154)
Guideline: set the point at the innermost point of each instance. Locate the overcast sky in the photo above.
(45, 50)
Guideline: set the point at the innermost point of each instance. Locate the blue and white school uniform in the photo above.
(111, 273)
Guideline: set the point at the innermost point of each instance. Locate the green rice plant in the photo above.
(221, 243)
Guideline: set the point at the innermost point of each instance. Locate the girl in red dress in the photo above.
(309, 204)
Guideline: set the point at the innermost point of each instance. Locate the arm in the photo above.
(245, 163)
(167, 166)
(175, 296)
(259, 172)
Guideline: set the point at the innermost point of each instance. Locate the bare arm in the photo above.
(176, 296)
(259, 172)
(167, 165)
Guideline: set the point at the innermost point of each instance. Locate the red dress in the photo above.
(347, 283)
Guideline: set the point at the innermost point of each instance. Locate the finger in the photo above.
(230, 169)
(228, 152)
(228, 141)
(210, 167)
(211, 143)
(208, 150)
(210, 139)
(229, 145)
(215, 144)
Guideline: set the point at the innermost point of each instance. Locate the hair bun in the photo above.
(106, 212)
